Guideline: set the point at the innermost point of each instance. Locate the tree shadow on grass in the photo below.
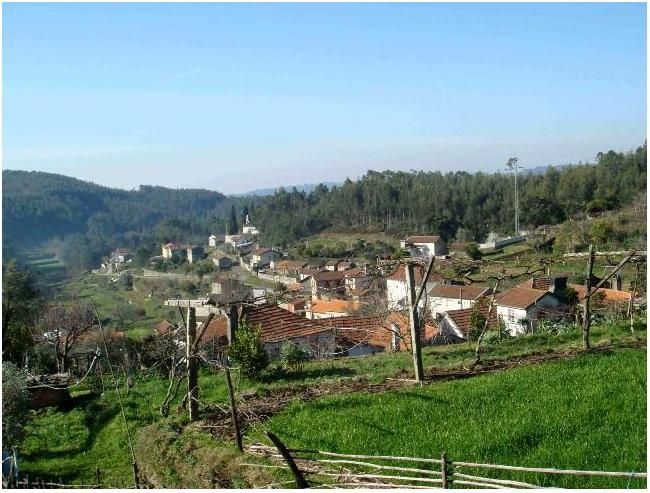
(97, 418)
(278, 374)
(97, 415)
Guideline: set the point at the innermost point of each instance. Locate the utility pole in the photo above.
(414, 320)
(192, 370)
(513, 164)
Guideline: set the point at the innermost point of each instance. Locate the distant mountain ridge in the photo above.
(307, 188)
(540, 170)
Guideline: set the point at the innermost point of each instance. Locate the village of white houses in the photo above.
(207, 284)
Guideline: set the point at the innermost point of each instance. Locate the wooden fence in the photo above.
(322, 469)
(16, 481)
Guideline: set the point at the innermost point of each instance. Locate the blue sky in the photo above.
(234, 97)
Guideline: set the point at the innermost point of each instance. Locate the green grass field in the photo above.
(588, 413)
(71, 444)
(105, 297)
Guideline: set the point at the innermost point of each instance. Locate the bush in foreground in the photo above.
(247, 351)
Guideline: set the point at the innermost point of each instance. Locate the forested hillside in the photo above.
(93, 219)
(450, 204)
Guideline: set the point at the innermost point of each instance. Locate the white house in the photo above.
(519, 308)
(232, 239)
(250, 230)
(397, 289)
(263, 256)
(447, 297)
(194, 253)
(212, 241)
(168, 250)
(424, 246)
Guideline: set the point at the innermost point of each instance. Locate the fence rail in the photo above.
(331, 469)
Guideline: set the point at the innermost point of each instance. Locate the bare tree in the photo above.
(62, 326)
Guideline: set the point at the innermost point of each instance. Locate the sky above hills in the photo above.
(235, 97)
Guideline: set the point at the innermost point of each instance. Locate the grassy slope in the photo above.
(49, 270)
(70, 444)
(87, 286)
(588, 413)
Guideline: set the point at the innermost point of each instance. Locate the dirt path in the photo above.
(259, 408)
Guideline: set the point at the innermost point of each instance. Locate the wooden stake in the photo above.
(233, 409)
(586, 318)
(414, 320)
(444, 470)
(300, 479)
(192, 371)
(630, 308)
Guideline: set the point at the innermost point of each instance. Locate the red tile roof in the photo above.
(375, 330)
(457, 292)
(355, 272)
(519, 297)
(329, 275)
(278, 324)
(218, 327)
(462, 318)
(262, 251)
(541, 283)
(334, 306)
(611, 295)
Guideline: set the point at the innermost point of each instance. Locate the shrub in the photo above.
(247, 351)
(473, 251)
(14, 405)
(293, 356)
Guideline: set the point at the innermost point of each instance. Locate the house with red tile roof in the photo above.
(330, 308)
(360, 335)
(262, 257)
(287, 267)
(168, 249)
(278, 325)
(424, 246)
(519, 308)
(327, 284)
(397, 289)
(608, 295)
